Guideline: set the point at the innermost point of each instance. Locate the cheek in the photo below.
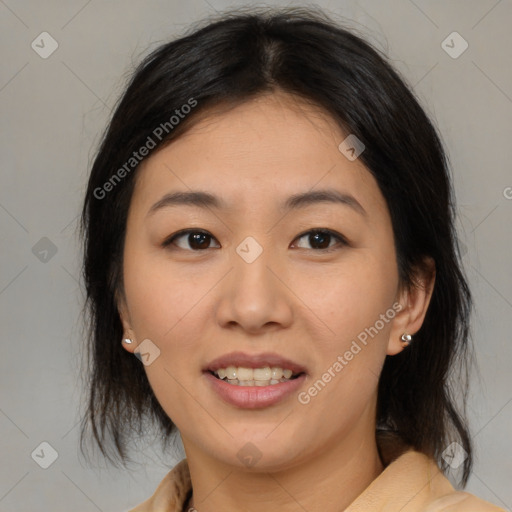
(349, 297)
(165, 307)
(161, 295)
(351, 337)
(350, 342)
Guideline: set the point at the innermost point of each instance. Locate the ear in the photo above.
(414, 303)
(124, 314)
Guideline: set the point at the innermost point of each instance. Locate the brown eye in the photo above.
(321, 239)
(192, 240)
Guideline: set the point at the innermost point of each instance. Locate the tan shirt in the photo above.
(410, 482)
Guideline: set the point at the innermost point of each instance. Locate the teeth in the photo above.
(245, 374)
(277, 373)
(261, 373)
(237, 382)
(231, 372)
(265, 376)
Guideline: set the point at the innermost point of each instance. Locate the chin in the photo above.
(255, 453)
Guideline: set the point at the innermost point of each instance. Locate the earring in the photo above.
(127, 341)
(406, 339)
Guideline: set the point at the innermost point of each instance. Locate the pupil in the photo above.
(198, 240)
(321, 240)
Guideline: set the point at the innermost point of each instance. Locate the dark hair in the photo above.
(303, 52)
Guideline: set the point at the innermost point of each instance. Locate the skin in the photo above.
(295, 299)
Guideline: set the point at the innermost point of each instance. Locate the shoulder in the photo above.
(423, 486)
(461, 501)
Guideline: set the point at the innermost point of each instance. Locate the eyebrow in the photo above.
(206, 200)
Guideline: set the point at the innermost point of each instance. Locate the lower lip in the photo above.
(254, 397)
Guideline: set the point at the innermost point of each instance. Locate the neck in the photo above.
(328, 482)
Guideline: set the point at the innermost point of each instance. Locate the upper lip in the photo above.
(254, 361)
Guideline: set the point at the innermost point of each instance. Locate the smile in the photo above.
(265, 376)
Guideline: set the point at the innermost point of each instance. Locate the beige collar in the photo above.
(410, 482)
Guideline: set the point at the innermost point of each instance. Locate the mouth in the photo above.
(267, 369)
(254, 381)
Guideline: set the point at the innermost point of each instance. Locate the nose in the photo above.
(254, 296)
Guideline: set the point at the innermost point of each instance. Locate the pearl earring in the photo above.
(127, 341)
(406, 339)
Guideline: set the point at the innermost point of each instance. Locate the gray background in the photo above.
(52, 113)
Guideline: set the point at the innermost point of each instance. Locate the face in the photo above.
(291, 266)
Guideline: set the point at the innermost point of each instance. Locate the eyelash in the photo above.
(323, 231)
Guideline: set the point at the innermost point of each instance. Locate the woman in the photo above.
(272, 270)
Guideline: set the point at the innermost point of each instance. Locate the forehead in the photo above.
(266, 149)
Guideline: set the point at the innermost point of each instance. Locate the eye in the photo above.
(197, 240)
(320, 239)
